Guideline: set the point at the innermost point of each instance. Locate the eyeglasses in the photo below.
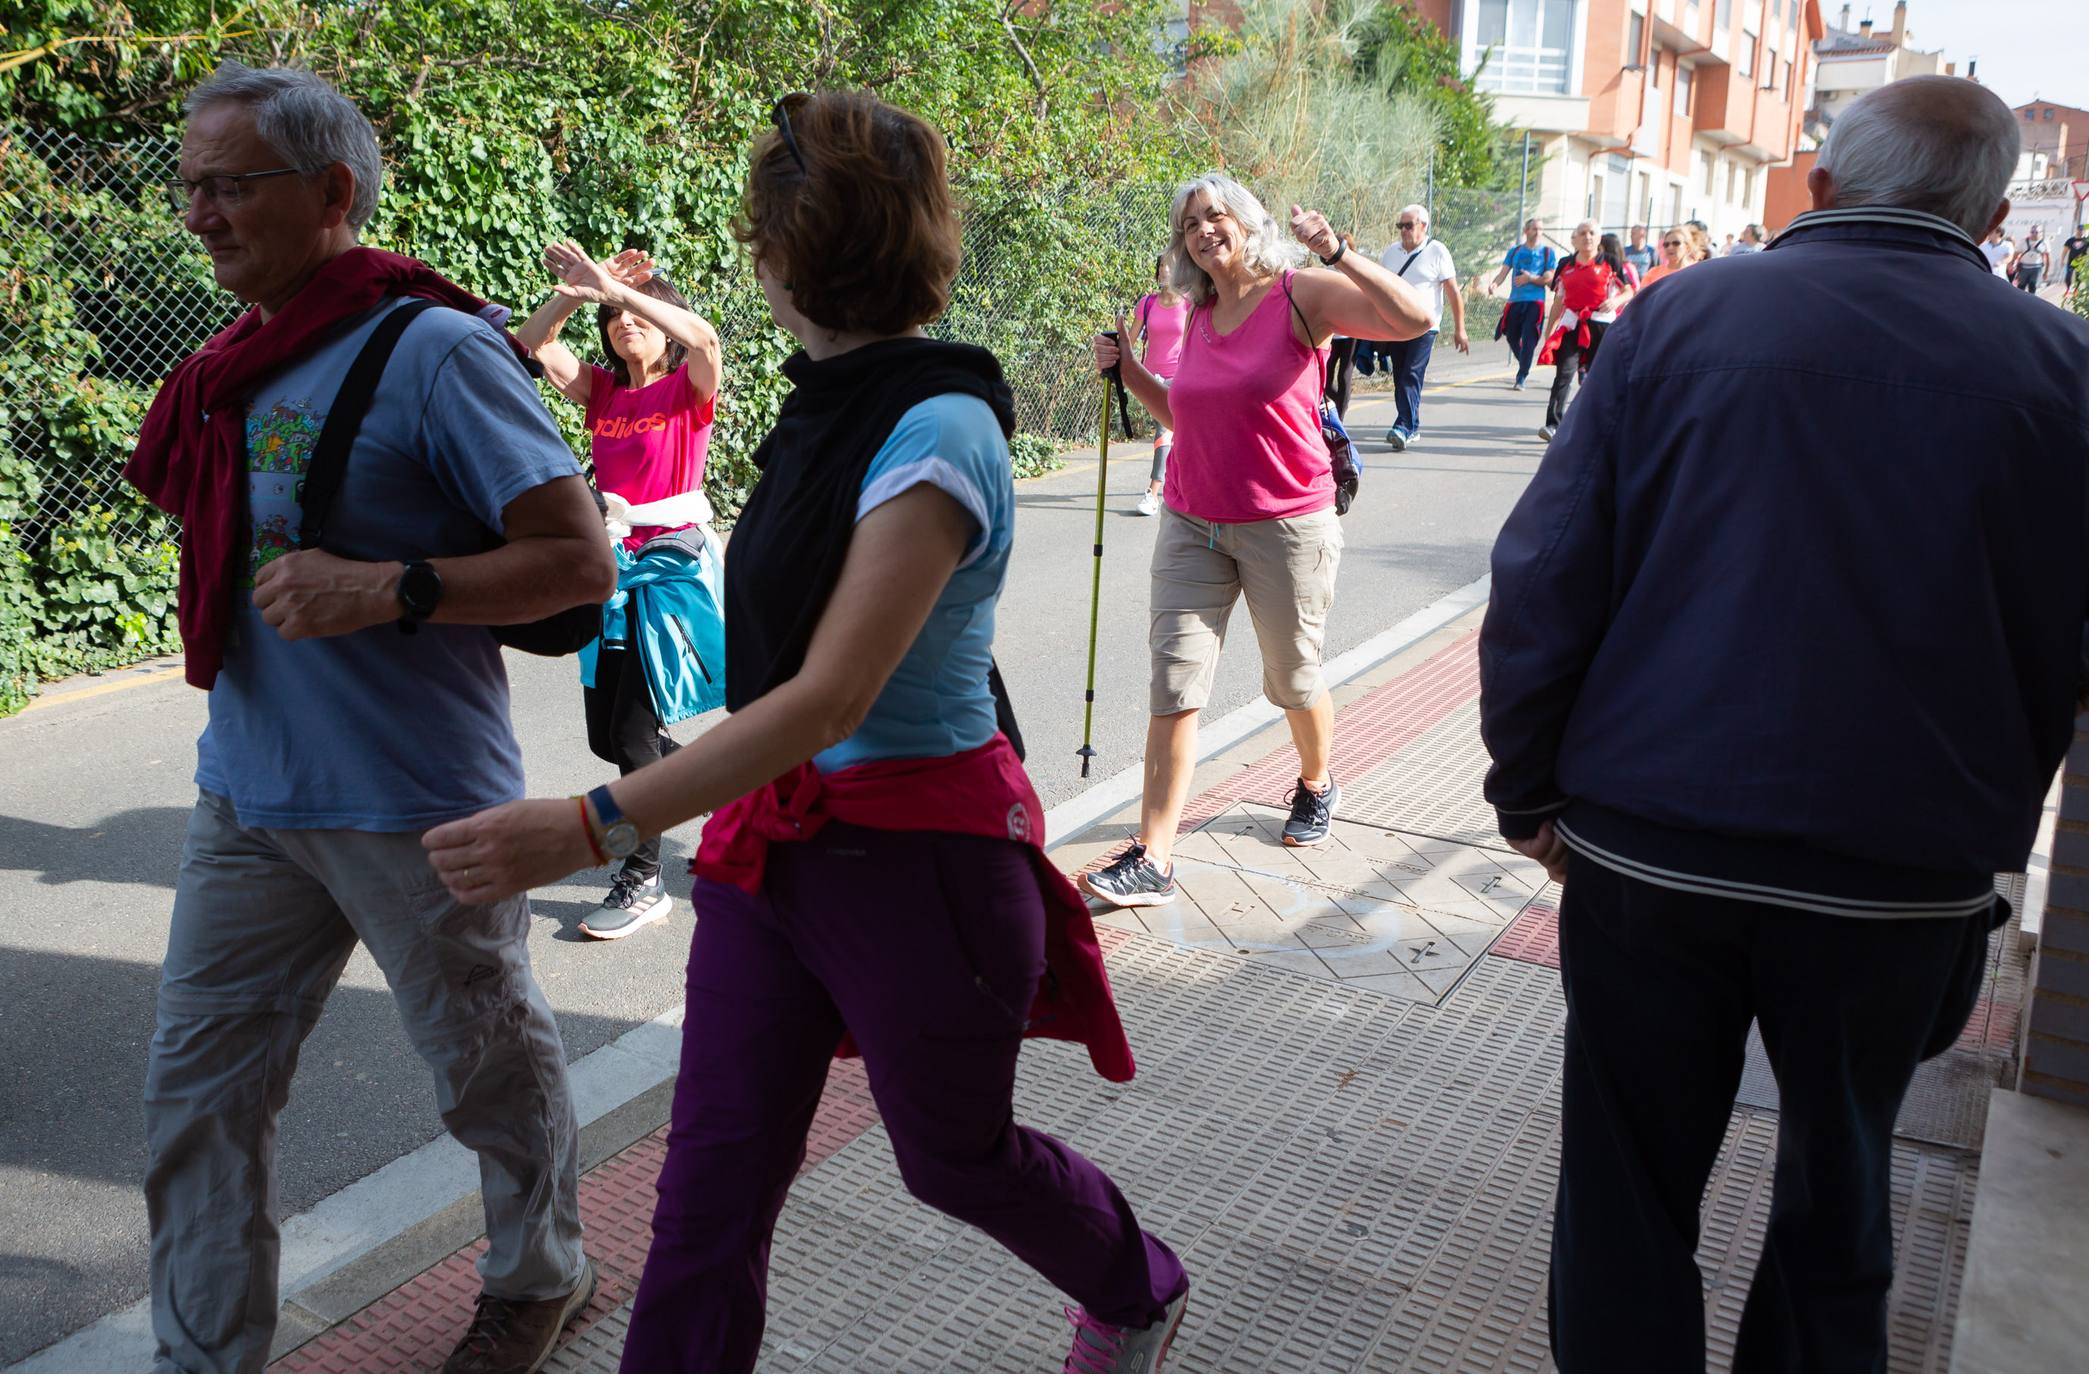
(226, 191)
(1671, 243)
(780, 116)
(1405, 224)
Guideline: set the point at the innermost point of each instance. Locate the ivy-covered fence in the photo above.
(108, 292)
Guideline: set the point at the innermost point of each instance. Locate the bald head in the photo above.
(1934, 143)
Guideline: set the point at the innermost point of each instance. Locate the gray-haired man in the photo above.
(356, 698)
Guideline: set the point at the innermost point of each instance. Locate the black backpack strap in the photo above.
(343, 418)
(1320, 357)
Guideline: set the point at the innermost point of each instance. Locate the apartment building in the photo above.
(1644, 111)
(1848, 62)
(2056, 141)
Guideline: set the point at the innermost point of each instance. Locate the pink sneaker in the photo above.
(1100, 1348)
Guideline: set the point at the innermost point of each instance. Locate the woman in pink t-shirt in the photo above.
(1250, 497)
(1161, 316)
(649, 413)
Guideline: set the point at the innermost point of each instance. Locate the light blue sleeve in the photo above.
(490, 439)
(953, 443)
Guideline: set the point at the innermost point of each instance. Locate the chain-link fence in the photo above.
(106, 292)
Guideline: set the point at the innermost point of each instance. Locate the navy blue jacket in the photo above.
(1804, 574)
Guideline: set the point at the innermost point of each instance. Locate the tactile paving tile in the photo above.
(1432, 786)
(1372, 729)
(1401, 915)
(1387, 1207)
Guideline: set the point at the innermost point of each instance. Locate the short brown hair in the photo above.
(873, 178)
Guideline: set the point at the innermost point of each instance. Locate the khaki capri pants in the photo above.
(1285, 568)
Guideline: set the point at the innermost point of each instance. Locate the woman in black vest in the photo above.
(873, 878)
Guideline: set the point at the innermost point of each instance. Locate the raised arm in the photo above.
(540, 335)
(614, 282)
(1356, 297)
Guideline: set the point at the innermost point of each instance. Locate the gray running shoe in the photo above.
(1396, 439)
(1546, 432)
(1311, 814)
(1100, 1348)
(632, 902)
(1131, 880)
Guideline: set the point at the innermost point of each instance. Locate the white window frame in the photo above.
(1470, 50)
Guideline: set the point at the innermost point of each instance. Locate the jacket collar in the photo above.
(1886, 217)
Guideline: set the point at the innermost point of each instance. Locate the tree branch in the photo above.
(1044, 103)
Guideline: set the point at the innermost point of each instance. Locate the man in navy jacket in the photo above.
(1783, 652)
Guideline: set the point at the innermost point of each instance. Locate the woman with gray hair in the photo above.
(1249, 500)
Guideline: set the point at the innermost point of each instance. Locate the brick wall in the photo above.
(2056, 1043)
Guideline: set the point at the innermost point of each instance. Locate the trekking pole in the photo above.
(1095, 586)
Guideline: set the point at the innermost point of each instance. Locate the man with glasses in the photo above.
(1425, 264)
(356, 699)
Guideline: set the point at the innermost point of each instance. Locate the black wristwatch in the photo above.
(619, 836)
(420, 589)
(1331, 259)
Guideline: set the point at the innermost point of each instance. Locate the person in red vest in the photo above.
(1587, 286)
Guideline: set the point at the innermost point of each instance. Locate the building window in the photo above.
(2045, 114)
(1722, 16)
(1791, 16)
(1769, 71)
(1733, 181)
(1635, 37)
(1744, 60)
(1748, 187)
(1711, 170)
(1529, 45)
(1654, 68)
(1682, 89)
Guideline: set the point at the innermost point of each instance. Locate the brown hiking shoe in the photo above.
(510, 1337)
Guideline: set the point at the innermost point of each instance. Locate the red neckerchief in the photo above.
(191, 459)
(981, 791)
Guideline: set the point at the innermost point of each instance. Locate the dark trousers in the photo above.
(1661, 986)
(1409, 364)
(1570, 360)
(1520, 325)
(1341, 364)
(623, 730)
(928, 949)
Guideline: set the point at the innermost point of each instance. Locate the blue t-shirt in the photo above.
(1524, 258)
(379, 730)
(937, 701)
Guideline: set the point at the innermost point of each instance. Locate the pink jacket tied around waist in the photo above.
(981, 791)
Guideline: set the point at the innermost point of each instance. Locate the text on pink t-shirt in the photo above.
(648, 443)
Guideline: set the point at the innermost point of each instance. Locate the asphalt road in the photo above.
(95, 792)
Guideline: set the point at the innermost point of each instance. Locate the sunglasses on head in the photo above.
(780, 116)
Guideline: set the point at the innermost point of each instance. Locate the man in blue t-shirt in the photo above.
(1640, 253)
(356, 699)
(1529, 267)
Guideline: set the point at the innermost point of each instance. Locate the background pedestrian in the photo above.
(1161, 315)
(1529, 268)
(649, 408)
(1424, 263)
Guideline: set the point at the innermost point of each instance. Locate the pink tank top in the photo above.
(1163, 326)
(649, 442)
(1247, 420)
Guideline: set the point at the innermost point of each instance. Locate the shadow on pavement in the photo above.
(138, 846)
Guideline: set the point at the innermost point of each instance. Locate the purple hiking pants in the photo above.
(928, 947)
